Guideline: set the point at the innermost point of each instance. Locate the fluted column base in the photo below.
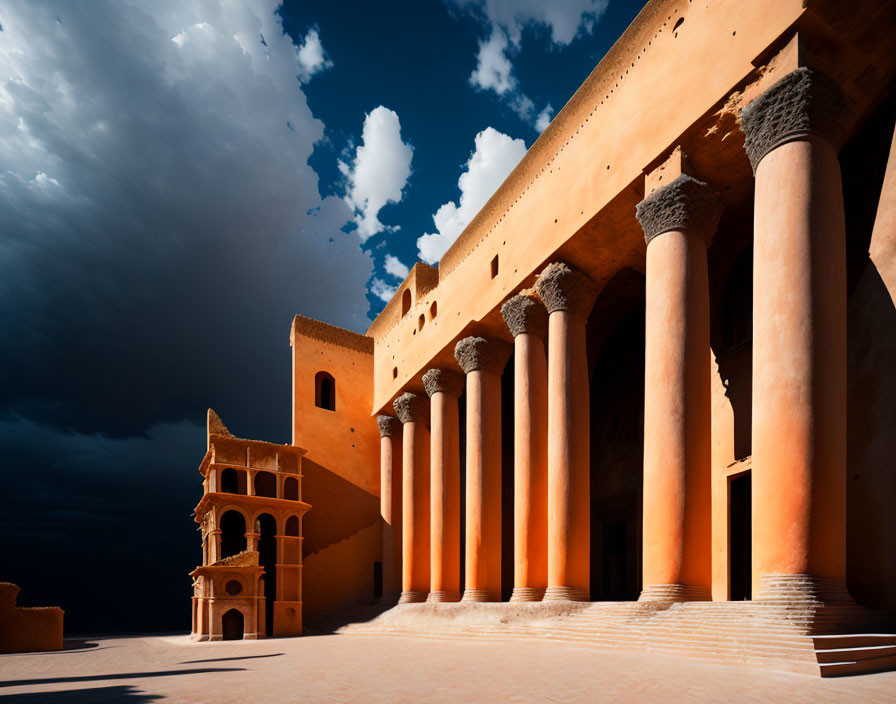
(443, 597)
(409, 597)
(566, 594)
(527, 594)
(675, 592)
(475, 595)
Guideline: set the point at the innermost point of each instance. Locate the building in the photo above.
(656, 368)
(250, 582)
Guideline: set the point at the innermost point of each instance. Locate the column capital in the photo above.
(411, 408)
(561, 287)
(804, 102)
(683, 204)
(441, 380)
(525, 314)
(389, 425)
(482, 354)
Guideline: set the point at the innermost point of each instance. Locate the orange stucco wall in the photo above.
(340, 467)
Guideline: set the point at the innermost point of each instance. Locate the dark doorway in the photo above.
(233, 533)
(615, 561)
(230, 482)
(740, 545)
(266, 527)
(377, 580)
(265, 484)
(507, 431)
(232, 625)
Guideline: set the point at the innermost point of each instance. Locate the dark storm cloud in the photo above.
(159, 227)
(160, 224)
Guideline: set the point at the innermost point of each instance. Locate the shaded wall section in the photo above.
(871, 400)
(342, 533)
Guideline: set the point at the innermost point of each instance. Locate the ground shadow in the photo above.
(240, 657)
(100, 695)
(118, 676)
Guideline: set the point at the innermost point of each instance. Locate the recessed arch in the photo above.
(405, 302)
(233, 533)
(325, 391)
(232, 625)
(292, 526)
(291, 489)
(266, 484)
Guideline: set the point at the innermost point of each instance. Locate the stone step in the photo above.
(853, 640)
(856, 666)
(871, 652)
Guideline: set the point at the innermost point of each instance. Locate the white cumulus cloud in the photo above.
(396, 267)
(382, 290)
(311, 56)
(494, 156)
(544, 118)
(379, 170)
(505, 21)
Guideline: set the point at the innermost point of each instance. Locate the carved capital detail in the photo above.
(804, 102)
(683, 204)
(482, 354)
(411, 408)
(563, 288)
(525, 314)
(389, 425)
(440, 380)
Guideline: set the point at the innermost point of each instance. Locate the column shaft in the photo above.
(527, 319)
(390, 503)
(799, 364)
(445, 499)
(793, 131)
(677, 501)
(569, 452)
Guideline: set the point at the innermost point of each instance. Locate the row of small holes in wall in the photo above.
(421, 321)
(678, 24)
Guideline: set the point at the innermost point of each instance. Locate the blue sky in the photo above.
(417, 59)
(173, 190)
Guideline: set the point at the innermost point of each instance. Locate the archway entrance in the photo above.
(266, 527)
(232, 625)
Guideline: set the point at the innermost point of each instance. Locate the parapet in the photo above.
(316, 330)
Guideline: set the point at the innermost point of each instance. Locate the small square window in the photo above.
(495, 266)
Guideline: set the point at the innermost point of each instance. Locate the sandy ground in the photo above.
(369, 668)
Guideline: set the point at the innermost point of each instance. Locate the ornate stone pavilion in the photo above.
(648, 397)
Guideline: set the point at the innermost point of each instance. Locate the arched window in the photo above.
(325, 391)
(292, 525)
(265, 484)
(291, 489)
(233, 533)
(405, 302)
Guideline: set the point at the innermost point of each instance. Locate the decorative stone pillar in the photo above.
(444, 388)
(679, 221)
(793, 133)
(413, 412)
(482, 361)
(390, 502)
(527, 319)
(569, 296)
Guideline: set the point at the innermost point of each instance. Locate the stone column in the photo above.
(793, 132)
(528, 322)
(412, 411)
(444, 388)
(569, 296)
(482, 361)
(679, 221)
(390, 502)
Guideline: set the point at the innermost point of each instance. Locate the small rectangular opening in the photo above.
(740, 557)
(495, 266)
(377, 580)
